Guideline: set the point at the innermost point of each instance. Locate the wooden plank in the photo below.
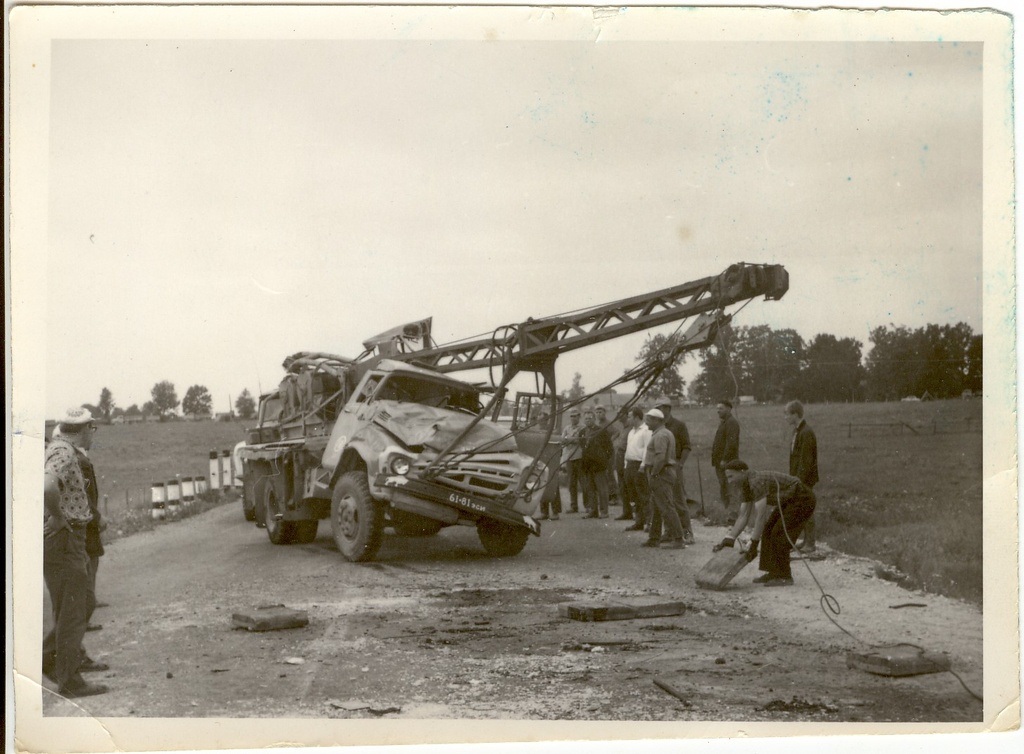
(721, 569)
(616, 611)
(270, 618)
(898, 661)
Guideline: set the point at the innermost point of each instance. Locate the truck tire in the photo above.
(305, 531)
(275, 492)
(501, 540)
(408, 524)
(357, 520)
(258, 485)
(249, 497)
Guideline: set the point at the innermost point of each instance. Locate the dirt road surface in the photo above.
(435, 629)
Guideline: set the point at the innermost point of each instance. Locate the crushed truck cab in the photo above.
(384, 445)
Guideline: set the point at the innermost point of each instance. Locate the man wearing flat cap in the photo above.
(66, 515)
(725, 448)
(682, 437)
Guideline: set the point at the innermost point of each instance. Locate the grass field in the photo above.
(129, 458)
(902, 485)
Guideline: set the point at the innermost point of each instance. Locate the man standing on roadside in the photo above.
(571, 453)
(65, 561)
(614, 430)
(725, 448)
(635, 496)
(682, 437)
(594, 462)
(659, 463)
(803, 463)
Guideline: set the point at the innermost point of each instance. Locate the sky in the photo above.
(227, 203)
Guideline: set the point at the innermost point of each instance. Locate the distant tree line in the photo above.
(937, 361)
(164, 402)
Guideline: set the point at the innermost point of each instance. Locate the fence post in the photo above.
(227, 480)
(106, 503)
(214, 471)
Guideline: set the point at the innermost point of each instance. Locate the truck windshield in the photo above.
(411, 389)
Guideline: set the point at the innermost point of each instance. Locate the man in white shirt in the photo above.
(635, 499)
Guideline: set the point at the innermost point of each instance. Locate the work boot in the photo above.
(90, 665)
(688, 537)
(79, 687)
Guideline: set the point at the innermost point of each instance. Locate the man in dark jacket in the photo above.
(725, 448)
(803, 463)
(597, 453)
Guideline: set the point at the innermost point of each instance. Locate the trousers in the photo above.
(636, 492)
(575, 469)
(664, 509)
(66, 573)
(679, 500)
(782, 528)
(595, 492)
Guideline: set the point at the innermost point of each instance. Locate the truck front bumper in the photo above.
(476, 507)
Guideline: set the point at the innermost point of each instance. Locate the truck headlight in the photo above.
(399, 465)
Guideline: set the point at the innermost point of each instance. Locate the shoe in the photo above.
(102, 604)
(94, 627)
(554, 516)
(673, 544)
(590, 515)
(574, 509)
(635, 527)
(623, 517)
(542, 518)
(688, 538)
(763, 578)
(81, 688)
(807, 549)
(90, 665)
(650, 543)
(779, 581)
(602, 515)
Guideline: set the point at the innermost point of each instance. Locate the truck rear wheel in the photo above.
(275, 492)
(357, 520)
(501, 540)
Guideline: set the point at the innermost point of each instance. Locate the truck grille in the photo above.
(487, 475)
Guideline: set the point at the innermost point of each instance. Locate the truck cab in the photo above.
(406, 449)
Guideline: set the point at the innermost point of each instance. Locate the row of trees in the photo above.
(938, 361)
(164, 403)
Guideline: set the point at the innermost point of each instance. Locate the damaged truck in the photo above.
(391, 440)
(361, 447)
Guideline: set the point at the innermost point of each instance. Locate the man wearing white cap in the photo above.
(660, 463)
(65, 561)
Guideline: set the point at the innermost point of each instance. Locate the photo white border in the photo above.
(32, 28)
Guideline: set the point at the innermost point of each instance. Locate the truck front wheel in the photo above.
(357, 520)
(501, 540)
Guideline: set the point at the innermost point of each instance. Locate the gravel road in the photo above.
(435, 629)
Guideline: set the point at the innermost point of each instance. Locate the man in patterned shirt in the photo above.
(792, 503)
(65, 561)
